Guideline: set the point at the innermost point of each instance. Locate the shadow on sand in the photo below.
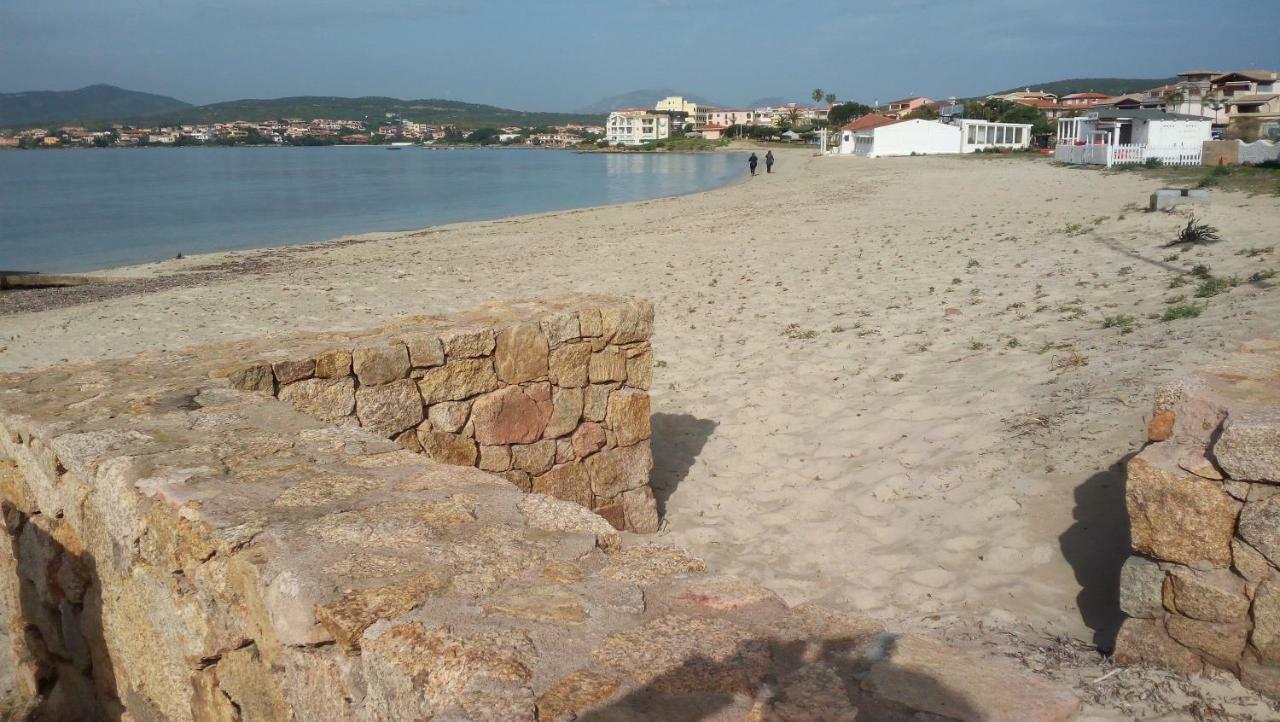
(1096, 546)
(677, 441)
(811, 680)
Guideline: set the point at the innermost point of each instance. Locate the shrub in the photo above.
(1124, 322)
(1183, 310)
(1211, 287)
(1196, 233)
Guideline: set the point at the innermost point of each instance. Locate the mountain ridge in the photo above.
(32, 107)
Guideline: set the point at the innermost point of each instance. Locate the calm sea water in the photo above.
(80, 210)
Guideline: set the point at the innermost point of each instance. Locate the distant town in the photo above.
(1240, 104)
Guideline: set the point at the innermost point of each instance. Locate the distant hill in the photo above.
(435, 111)
(1109, 86)
(93, 102)
(638, 99)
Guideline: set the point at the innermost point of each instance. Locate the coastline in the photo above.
(882, 384)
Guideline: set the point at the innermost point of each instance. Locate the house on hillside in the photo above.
(877, 136)
(1134, 101)
(1076, 101)
(1114, 136)
(903, 107)
(1051, 109)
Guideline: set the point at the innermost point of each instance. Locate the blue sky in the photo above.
(559, 55)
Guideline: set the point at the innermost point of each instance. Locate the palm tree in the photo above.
(817, 95)
(830, 98)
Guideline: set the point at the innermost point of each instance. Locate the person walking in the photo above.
(752, 161)
(768, 162)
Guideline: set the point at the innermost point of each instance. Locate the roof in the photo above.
(869, 121)
(908, 100)
(1255, 98)
(1199, 72)
(1144, 114)
(1250, 75)
(1089, 94)
(1041, 103)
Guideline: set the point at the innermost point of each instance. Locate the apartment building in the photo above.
(636, 126)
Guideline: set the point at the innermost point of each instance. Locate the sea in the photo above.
(82, 210)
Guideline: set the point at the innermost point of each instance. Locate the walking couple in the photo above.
(753, 161)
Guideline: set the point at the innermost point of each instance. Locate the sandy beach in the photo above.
(885, 385)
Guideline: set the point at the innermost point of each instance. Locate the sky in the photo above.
(556, 55)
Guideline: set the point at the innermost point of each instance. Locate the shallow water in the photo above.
(80, 210)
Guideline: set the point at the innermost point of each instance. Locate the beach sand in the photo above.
(883, 385)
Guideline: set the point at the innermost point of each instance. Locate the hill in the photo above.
(88, 103)
(1110, 86)
(639, 99)
(434, 111)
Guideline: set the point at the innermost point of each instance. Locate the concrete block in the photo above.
(1166, 198)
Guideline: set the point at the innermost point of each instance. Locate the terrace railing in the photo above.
(1127, 154)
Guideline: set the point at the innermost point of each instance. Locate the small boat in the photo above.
(393, 147)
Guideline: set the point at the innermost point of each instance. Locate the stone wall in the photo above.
(179, 549)
(552, 396)
(1238, 152)
(1202, 588)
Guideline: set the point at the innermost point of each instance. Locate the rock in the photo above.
(287, 372)
(495, 458)
(449, 416)
(590, 322)
(1196, 409)
(549, 514)
(467, 342)
(522, 354)
(509, 416)
(927, 676)
(562, 328)
(409, 440)
(1161, 426)
(1214, 596)
(568, 482)
(534, 458)
(564, 451)
(1246, 560)
(1237, 489)
(458, 380)
(646, 564)
(613, 512)
(448, 448)
(588, 439)
(1261, 677)
(1221, 642)
(724, 593)
(1194, 461)
(333, 364)
(569, 365)
(614, 471)
(627, 322)
(347, 618)
(1260, 526)
(574, 694)
(1266, 620)
(519, 479)
(597, 403)
(254, 377)
(566, 411)
(627, 416)
(641, 510)
(1261, 492)
(324, 398)
(640, 370)
(425, 350)
(539, 603)
(1177, 516)
(388, 409)
(1145, 641)
(676, 654)
(375, 365)
(813, 693)
(607, 365)
(1249, 447)
(1141, 585)
(246, 679)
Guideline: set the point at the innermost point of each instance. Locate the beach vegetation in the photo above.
(1197, 233)
(976, 345)
(796, 332)
(898, 376)
(1182, 310)
(1254, 252)
(1124, 322)
(1212, 286)
(1013, 342)
(1070, 360)
(1259, 276)
(1178, 281)
(1201, 270)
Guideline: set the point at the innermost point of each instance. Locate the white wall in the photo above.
(922, 137)
(1165, 133)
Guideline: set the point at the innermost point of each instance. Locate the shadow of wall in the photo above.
(1096, 546)
(677, 440)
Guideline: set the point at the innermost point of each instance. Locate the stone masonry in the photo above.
(179, 549)
(552, 396)
(1202, 588)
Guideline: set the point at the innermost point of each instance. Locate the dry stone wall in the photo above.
(1202, 588)
(179, 549)
(552, 396)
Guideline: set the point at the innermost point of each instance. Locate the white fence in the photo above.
(1126, 154)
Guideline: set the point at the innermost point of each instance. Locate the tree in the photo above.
(817, 95)
(793, 115)
(830, 98)
(1018, 113)
(924, 112)
(845, 112)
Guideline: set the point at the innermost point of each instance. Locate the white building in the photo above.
(1111, 136)
(881, 136)
(636, 126)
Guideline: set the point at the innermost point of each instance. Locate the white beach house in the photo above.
(877, 136)
(1113, 136)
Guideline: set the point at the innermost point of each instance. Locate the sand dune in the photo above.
(883, 384)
